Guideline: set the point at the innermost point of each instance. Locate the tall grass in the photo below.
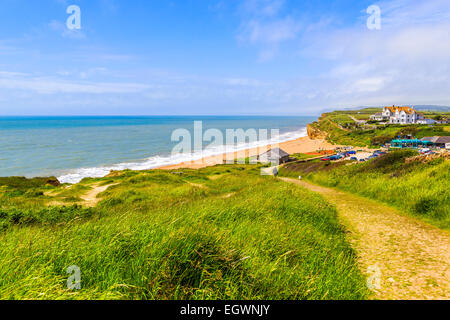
(218, 233)
(420, 189)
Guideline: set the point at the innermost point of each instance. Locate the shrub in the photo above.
(425, 205)
(50, 215)
(381, 140)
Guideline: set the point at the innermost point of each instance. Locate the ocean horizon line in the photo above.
(156, 115)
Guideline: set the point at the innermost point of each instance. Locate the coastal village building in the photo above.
(440, 142)
(378, 117)
(404, 115)
(401, 115)
(275, 155)
(426, 121)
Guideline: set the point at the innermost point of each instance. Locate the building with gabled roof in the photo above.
(402, 115)
(275, 155)
(438, 141)
(430, 139)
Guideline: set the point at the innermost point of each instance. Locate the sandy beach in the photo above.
(301, 145)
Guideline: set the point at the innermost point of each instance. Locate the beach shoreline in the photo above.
(299, 145)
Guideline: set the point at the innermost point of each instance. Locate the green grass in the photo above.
(223, 232)
(302, 156)
(419, 189)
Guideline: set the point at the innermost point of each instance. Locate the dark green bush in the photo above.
(50, 215)
(425, 205)
(381, 140)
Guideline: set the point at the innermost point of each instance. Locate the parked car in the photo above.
(354, 158)
(326, 159)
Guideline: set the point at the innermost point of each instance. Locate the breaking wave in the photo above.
(76, 175)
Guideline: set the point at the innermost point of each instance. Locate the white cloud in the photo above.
(341, 65)
(272, 32)
(65, 32)
(261, 8)
(406, 62)
(265, 27)
(47, 85)
(243, 82)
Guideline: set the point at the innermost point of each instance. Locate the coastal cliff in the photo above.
(315, 133)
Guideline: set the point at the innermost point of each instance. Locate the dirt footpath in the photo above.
(402, 257)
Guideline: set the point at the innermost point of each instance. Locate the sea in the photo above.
(76, 147)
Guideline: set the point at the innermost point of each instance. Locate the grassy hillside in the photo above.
(420, 189)
(224, 232)
(342, 128)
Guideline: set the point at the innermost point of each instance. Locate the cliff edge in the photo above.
(315, 133)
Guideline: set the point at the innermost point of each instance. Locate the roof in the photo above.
(408, 110)
(407, 141)
(275, 153)
(443, 140)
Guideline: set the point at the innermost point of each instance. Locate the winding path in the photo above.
(402, 257)
(90, 198)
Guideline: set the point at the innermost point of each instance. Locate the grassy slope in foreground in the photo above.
(419, 188)
(222, 232)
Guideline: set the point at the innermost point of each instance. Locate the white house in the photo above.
(378, 117)
(401, 115)
(426, 121)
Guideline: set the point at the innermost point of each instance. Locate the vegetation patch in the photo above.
(341, 128)
(416, 187)
(50, 215)
(157, 235)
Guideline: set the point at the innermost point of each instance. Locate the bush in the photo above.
(425, 206)
(410, 130)
(381, 140)
(33, 194)
(24, 183)
(50, 215)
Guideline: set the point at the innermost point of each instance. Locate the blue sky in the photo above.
(202, 57)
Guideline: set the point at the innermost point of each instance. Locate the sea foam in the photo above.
(76, 175)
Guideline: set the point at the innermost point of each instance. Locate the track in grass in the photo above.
(412, 257)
